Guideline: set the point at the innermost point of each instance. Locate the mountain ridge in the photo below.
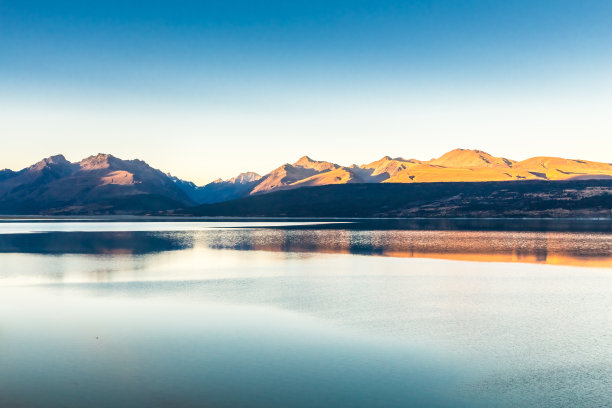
(55, 184)
(97, 184)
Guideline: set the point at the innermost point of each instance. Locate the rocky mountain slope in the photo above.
(97, 184)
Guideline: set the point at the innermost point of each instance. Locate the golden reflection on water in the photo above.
(556, 248)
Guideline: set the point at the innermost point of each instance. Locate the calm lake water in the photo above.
(441, 313)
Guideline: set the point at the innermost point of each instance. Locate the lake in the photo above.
(317, 313)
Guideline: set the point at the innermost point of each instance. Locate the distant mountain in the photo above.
(220, 190)
(243, 178)
(106, 184)
(97, 184)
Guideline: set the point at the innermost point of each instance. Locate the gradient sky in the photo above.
(207, 89)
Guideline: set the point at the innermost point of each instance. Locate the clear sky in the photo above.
(207, 89)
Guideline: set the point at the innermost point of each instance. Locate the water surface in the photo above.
(357, 313)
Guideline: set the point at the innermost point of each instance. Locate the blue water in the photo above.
(172, 314)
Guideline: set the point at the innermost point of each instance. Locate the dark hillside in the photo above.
(588, 198)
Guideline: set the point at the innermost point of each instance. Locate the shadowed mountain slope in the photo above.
(220, 190)
(387, 167)
(590, 198)
(99, 184)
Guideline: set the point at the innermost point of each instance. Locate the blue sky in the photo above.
(208, 89)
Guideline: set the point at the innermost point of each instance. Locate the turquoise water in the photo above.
(175, 314)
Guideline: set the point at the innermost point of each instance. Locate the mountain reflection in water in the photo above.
(585, 249)
(567, 242)
(255, 314)
(93, 243)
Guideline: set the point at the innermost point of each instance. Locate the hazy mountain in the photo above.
(221, 190)
(243, 178)
(6, 174)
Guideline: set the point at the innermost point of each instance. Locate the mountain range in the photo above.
(104, 184)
